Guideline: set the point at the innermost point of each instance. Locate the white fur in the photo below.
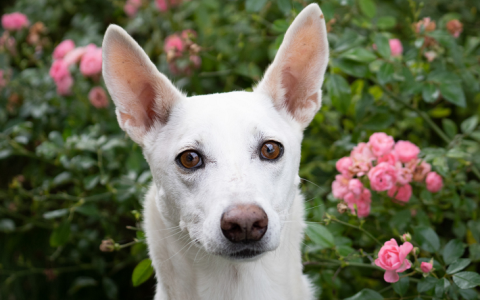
(183, 209)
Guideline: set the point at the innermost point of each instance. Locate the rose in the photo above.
(419, 168)
(343, 166)
(395, 47)
(390, 158)
(64, 84)
(404, 175)
(98, 97)
(91, 63)
(434, 182)
(362, 158)
(427, 25)
(361, 201)
(382, 177)
(63, 48)
(401, 193)
(455, 27)
(426, 267)
(355, 186)
(131, 7)
(14, 21)
(406, 151)
(380, 143)
(340, 186)
(58, 70)
(74, 56)
(393, 259)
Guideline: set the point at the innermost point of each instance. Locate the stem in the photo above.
(334, 262)
(357, 227)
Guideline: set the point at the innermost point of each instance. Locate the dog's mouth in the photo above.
(244, 254)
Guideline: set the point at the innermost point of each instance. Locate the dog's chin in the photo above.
(244, 255)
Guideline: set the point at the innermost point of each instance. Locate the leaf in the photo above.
(469, 124)
(60, 235)
(441, 287)
(386, 22)
(385, 74)
(466, 280)
(56, 213)
(62, 178)
(427, 238)
(430, 92)
(380, 121)
(255, 5)
(453, 93)
(280, 26)
(359, 55)
(426, 284)
(468, 294)
(383, 45)
(353, 68)
(7, 225)
(110, 288)
(474, 227)
(401, 287)
(450, 127)
(339, 92)
(453, 250)
(284, 6)
(320, 235)
(142, 272)
(474, 251)
(366, 294)
(368, 8)
(458, 265)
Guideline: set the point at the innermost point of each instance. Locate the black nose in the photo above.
(244, 223)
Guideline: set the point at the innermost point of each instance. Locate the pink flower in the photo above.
(340, 187)
(381, 143)
(382, 177)
(401, 193)
(404, 175)
(406, 151)
(98, 97)
(430, 55)
(91, 63)
(188, 34)
(393, 259)
(420, 169)
(58, 70)
(455, 27)
(362, 158)
(390, 158)
(426, 267)
(63, 48)
(14, 21)
(396, 47)
(174, 42)
(434, 182)
(363, 204)
(64, 85)
(161, 5)
(131, 7)
(343, 166)
(355, 186)
(426, 23)
(74, 56)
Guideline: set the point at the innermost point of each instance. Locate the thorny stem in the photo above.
(425, 117)
(357, 227)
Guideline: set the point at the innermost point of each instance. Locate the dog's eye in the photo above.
(190, 159)
(271, 150)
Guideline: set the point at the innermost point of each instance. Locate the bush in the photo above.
(72, 182)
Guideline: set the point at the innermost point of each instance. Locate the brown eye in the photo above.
(271, 150)
(190, 159)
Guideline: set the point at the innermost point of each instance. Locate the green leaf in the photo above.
(458, 265)
(474, 227)
(366, 294)
(385, 74)
(441, 287)
(110, 288)
(466, 280)
(469, 124)
(255, 5)
(360, 55)
(383, 45)
(453, 93)
(368, 8)
(142, 272)
(453, 250)
(387, 22)
(280, 26)
(284, 6)
(60, 235)
(401, 287)
(426, 284)
(7, 225)
(56, 213)
(450, 127)
(430, 92)
(468, 294)
(427, 238)
(380, 121)
(339, 92)
(352, 68)
(474, 251)
(320, 235)
(344, 250)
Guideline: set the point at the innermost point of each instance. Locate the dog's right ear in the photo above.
(142, 95)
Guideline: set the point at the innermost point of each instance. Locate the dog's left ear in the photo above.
(294, 79)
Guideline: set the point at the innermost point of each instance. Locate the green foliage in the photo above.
(71, 178)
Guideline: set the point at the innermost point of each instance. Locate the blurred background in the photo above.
(72, 183)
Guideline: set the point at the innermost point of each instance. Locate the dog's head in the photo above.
(226, 163)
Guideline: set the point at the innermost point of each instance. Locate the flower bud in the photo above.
(342, 207)
(107, 245)
(416, 251)
(426, 267)
(406, 237)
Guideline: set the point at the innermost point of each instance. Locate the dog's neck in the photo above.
(187, 272)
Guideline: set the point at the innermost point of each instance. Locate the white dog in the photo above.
(224, 216)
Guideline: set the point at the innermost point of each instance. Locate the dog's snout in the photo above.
(244, 223)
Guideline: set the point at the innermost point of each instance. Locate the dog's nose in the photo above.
(244, 223)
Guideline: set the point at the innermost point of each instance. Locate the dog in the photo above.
(224, 217)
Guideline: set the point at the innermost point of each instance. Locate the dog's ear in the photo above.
(142, 95)
(294, 79)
